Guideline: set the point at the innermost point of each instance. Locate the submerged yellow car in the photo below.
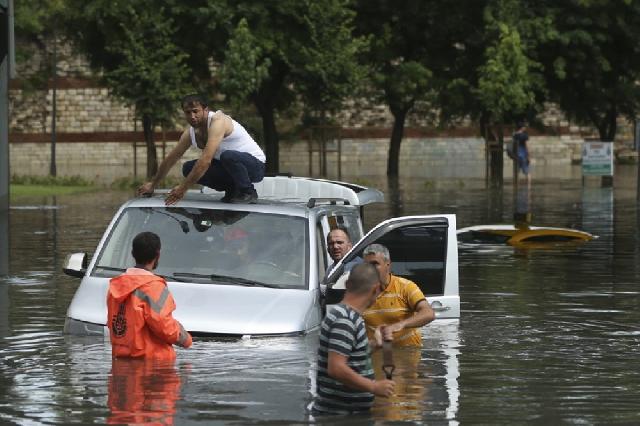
(522, 235)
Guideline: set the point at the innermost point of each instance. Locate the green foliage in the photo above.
(35, 24)
(326, 68)
(591, 63)
(285, 54)
(245, 67)
(19, 191)
(505, 87)
(50, 180)
(404, 83)
(398, 59)
(306, 47)
(490, 60)
(132, 43)
(35, 20)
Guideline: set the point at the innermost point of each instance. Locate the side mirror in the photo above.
(75, 265)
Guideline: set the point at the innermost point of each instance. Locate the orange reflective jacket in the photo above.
(139, 307)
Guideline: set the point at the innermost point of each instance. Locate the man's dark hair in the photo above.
(340, 228)
(194, 99)
(362, 278)
(146, 246)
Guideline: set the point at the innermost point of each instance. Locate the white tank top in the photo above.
(238, 140)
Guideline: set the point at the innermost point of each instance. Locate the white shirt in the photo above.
(238, 140)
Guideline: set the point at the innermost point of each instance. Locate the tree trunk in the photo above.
(152, 158)
(271, 139)
(496, 148)
(393, 161)
(611, 124)
(265, 101)
(607, 126)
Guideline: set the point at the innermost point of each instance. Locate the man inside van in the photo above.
(339, 244)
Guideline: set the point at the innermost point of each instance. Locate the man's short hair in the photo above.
(194, 99)
(377, 249)
(340, 228)
(362, 278)
(145, 247)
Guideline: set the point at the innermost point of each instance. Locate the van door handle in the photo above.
(439, 307)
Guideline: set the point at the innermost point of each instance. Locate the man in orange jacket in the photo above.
(139, 308)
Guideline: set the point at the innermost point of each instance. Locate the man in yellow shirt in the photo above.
(401, 306)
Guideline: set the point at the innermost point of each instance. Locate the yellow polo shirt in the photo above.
(397, 302)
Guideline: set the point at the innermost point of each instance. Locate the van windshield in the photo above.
(213, 246)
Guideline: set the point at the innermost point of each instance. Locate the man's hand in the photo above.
(376, 343)
(175, 195)
(146, 188)
(383, 387)
(388, 330)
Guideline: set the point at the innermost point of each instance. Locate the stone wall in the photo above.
(84, 106)
(78, 110)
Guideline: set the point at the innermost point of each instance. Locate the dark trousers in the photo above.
(235, 172)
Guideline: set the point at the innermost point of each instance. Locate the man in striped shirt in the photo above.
(345, 379)
(400, 307)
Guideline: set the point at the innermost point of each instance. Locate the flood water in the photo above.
(546, 335)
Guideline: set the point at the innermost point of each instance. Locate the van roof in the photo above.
(278, 193)
(303, 189)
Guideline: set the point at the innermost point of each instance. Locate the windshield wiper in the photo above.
(113, 268)
(110, 268)
(226, 278)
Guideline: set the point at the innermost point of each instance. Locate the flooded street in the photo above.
(546, 335)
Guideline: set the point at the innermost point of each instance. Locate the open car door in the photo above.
(423, 249)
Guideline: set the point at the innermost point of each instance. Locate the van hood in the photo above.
(230, 309)
(216, 308)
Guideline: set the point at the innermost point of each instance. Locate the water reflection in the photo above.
(143, 391)
(426, 378)
(4, 242)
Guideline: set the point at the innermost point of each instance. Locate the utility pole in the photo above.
(54, 83)
(6, 54)
(6, 69)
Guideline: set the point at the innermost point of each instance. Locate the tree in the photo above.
(275, 54)
(399, 60)
(592, 65)
(506, 83)
(37, 28)
(133, 45)
(492, 77)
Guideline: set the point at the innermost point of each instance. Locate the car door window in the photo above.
(419, 254)
(350, 222)
(418, 247)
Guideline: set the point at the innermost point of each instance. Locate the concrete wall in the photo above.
(419, 157)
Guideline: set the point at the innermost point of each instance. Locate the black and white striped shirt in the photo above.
(343, 331)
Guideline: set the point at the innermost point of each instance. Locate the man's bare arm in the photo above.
(170, 160)
(215, 134)
(340, 370)
(423, 315)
